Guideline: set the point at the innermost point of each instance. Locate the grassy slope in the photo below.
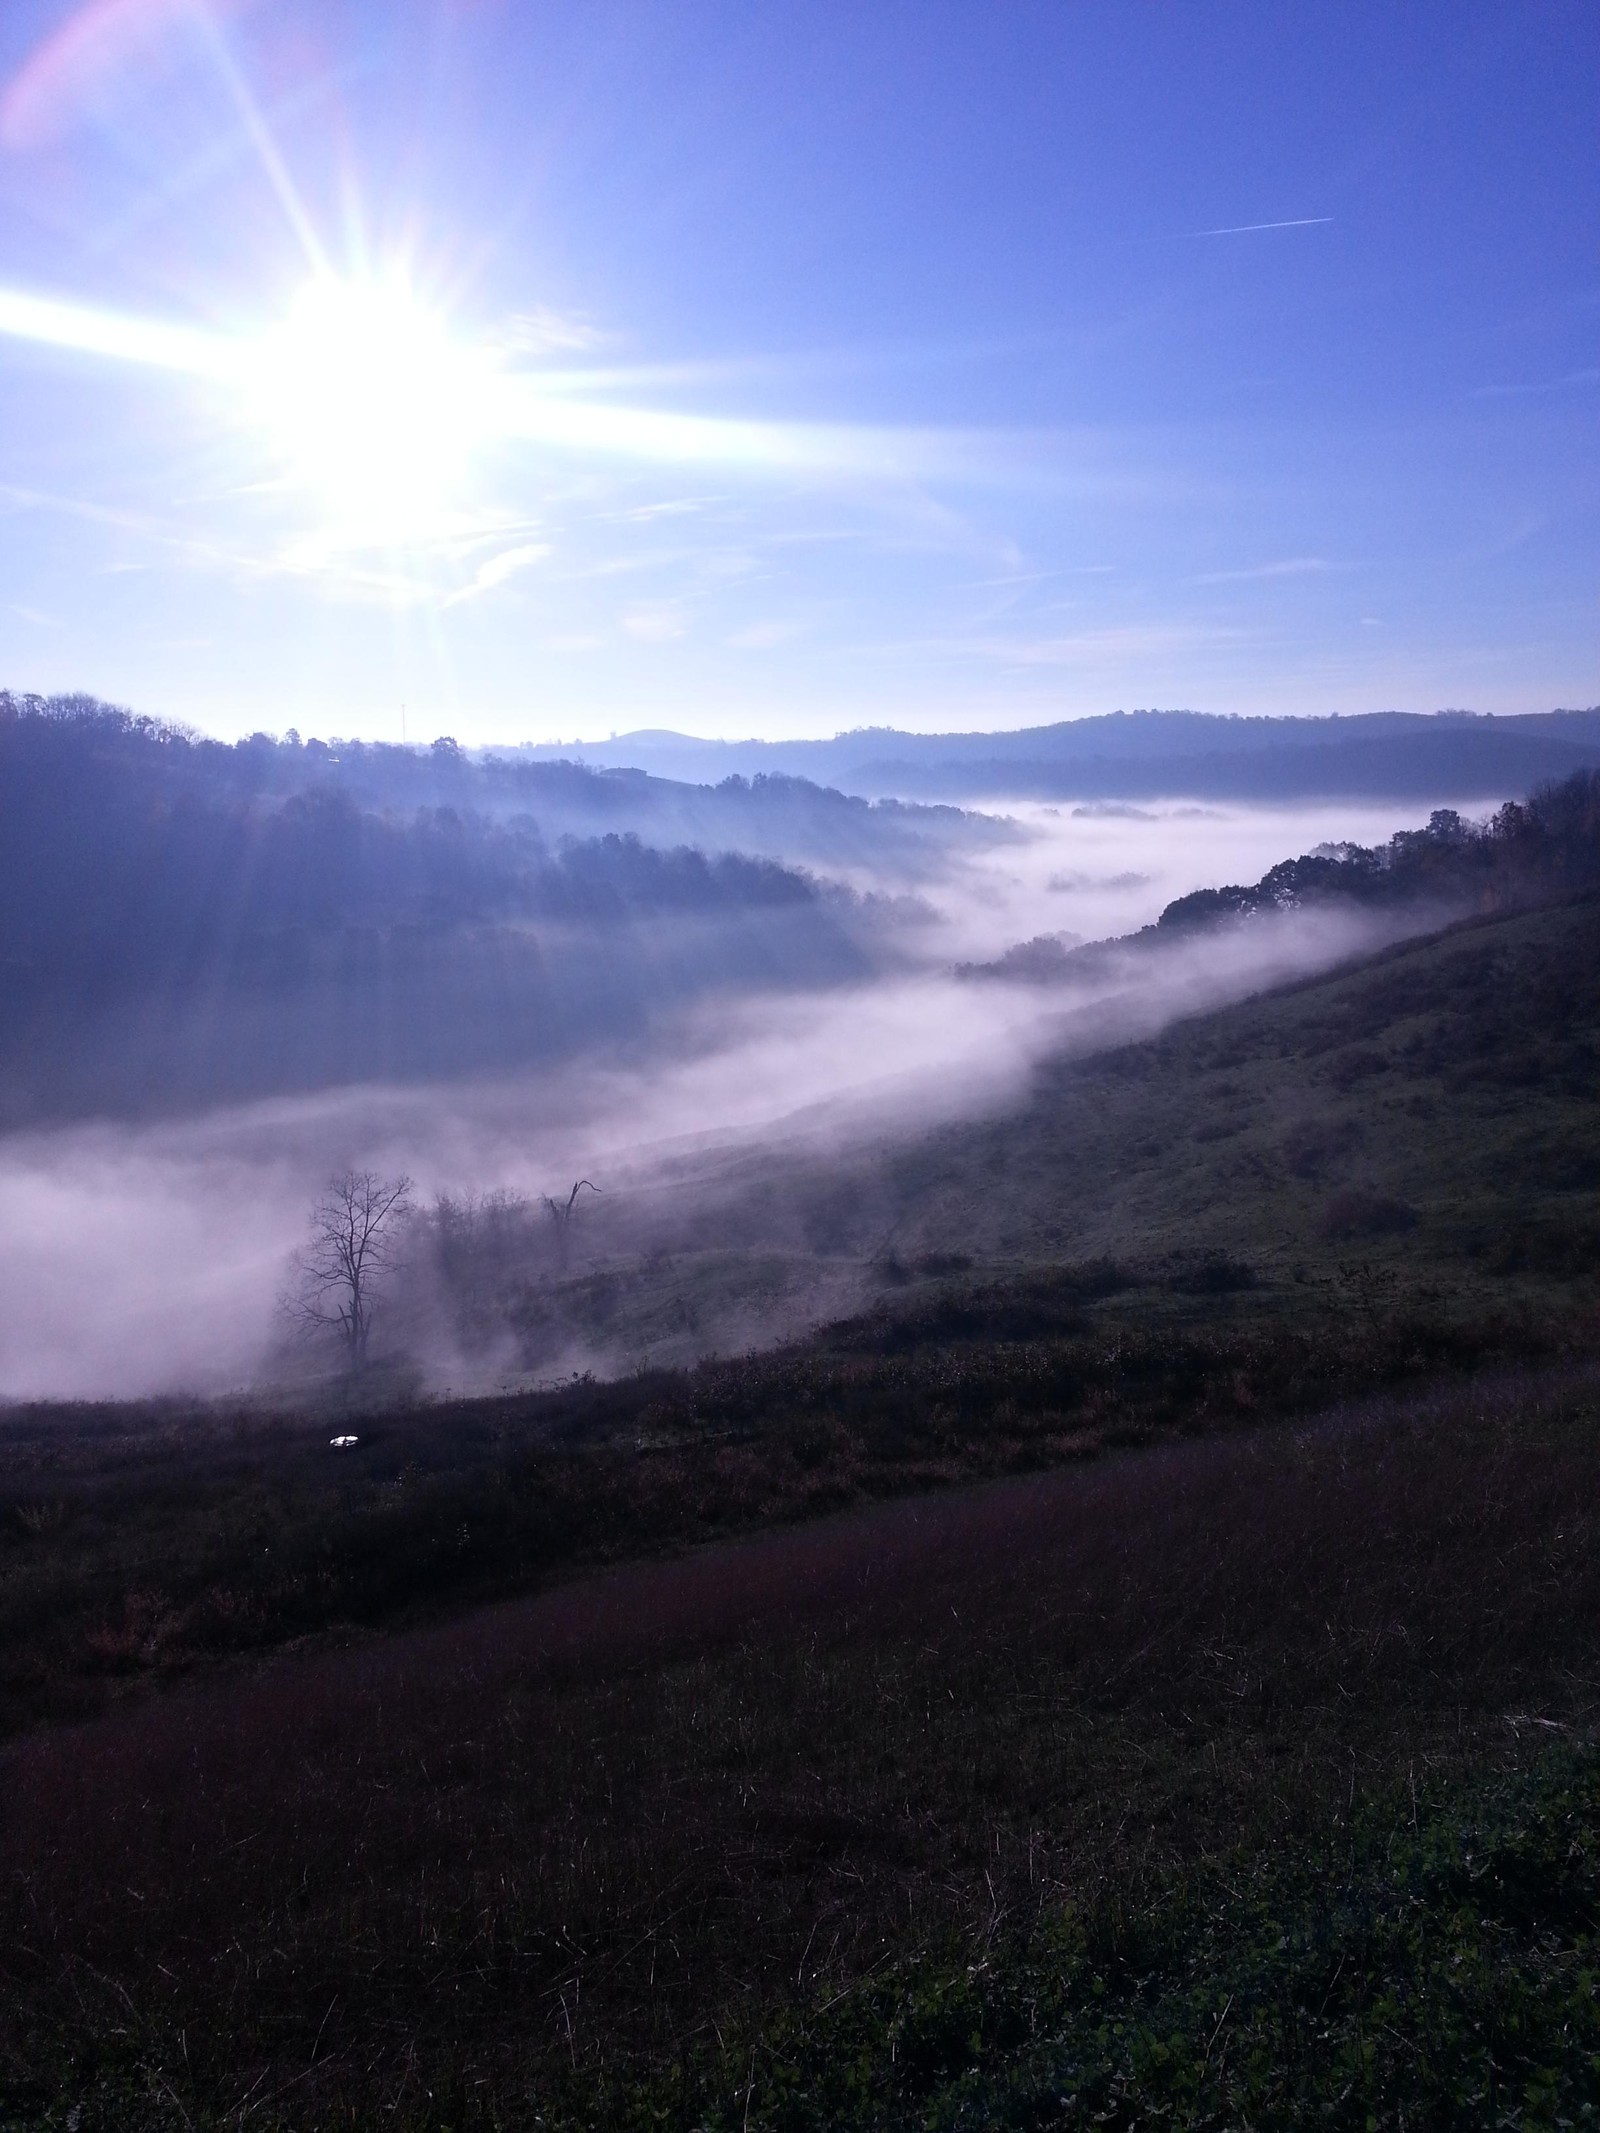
(1425, 1958)
(1431, 1113)
(1457, 1076)
(613, 1852)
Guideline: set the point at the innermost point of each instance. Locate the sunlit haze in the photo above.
(533, 374)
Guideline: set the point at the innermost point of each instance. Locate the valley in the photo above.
(826, 1735)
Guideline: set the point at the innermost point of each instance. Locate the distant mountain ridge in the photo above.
(1122, 755)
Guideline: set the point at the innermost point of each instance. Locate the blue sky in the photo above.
(528, 371)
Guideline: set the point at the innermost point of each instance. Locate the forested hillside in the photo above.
(182, 920)
(52, 746)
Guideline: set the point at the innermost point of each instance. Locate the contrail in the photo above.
(1244, 229)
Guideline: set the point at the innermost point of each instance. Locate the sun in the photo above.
(371, 404)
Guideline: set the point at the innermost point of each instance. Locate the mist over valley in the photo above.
(236, 972)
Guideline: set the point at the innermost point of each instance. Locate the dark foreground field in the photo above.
(1208, 1784)
(141, 1544)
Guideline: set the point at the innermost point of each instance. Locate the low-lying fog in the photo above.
(141, 1259)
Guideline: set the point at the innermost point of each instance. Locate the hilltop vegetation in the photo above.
(54, 747)
(1526, 852)
(187, 922)
(1433, 1108)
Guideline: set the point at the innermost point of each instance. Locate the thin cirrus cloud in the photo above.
(1091, 648)
(764, 636)
(147, 530)
(1250, 229)
(1294, 566)
(325, 559)
(499, 570)
(80, 329)
(1569, 382)
(545, 332)
(529, 413)
(656, 623)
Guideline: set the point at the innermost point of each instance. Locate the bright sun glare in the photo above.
(371, 403)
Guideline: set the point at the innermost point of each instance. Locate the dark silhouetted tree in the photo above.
(356, 1231)
(561, 1212)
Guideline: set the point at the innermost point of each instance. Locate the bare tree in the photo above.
(560, 1213)
(355, 1241)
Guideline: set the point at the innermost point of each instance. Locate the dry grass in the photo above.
(138, 1544)
(565, 1838)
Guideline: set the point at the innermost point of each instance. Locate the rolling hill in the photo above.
(1150, 754)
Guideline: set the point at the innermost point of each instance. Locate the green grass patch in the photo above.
(1431, 1961)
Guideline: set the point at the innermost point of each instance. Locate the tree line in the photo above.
(1528, 850)
(360, 1231)
(113, 872)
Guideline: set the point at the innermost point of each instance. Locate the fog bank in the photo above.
(143, 1259)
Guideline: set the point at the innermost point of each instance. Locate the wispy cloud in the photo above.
(1116, 644)
(667, 507)
(657, 623)
(603, 429)
(1294, 566)
(764, 636)
(499, 569)
(83, 330)
(139, 526)
(807, 364)
(1248, 229)
(336, 559)
(1572, 379)
(545, 332)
